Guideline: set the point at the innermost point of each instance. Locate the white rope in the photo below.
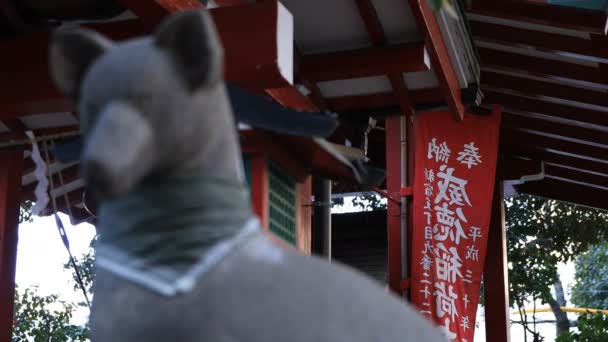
(41, 191)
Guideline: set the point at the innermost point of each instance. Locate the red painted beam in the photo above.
(495, 275)
(402, 93)
(250, 57)
(569, 18)
(258, 142)
(155, 10)
(550, 42)
(249, 34)
(364, 62)
(383, 100)
(438, 53)
(536, 87)
(288, 96)
(26, 85)
(368, 14)
(539, 66)
(10, 187)
(520, 102)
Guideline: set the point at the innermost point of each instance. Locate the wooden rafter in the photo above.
(553, 157)
(567, 191)
(568, 18)
(69, 175)
(290, 96)
(519, 102)
(518, 37)
(537, 87)
(378, 37)
(543, 67)
(18, 136)
(315, 96)
(578, 175)
(440, 60)
(510, 136)
(516, 121)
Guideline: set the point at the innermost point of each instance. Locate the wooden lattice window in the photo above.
(282, 204)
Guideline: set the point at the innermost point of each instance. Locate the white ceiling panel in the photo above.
(324, 26)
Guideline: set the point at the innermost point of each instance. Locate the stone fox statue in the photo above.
(181, 256)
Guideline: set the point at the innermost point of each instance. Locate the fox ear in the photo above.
(192, 41)
(72, 53)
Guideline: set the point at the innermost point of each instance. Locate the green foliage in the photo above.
(25, 211)
(369, 202)
(591, 328)
(44, 318)
(542, 233)
(591, 288)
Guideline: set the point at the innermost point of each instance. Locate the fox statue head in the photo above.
(148, 106)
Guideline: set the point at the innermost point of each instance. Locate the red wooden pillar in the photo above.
(399, 156)
(304, 205)
(259, 188)
(393, 185)
(11, 167)
(496, 286)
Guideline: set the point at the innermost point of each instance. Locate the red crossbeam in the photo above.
(154, 11)
(251, 57)
(364, 62)
(425, 96)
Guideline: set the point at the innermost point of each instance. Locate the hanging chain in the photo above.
(60, 227)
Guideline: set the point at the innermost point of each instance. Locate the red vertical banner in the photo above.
(453, 185)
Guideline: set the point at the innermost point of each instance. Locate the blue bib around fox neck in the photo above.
(169, 231)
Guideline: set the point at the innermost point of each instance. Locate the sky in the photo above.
(41, 255)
